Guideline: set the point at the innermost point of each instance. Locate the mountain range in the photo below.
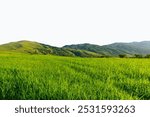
(81, 50)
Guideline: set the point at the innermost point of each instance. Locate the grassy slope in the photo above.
(116, 48)
(30, 47)
(82, 50)
(21, 46)
(50, 77)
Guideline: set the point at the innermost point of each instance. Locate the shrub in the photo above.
(122, 56)
(138, 56)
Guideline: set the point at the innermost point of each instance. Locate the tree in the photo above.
(147, 56)
(138, 56)
(122, 55)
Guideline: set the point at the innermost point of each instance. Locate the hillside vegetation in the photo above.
(79, 50)
(115, 49)
(24, 76)
(30, 47)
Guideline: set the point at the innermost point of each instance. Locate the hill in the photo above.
(116, 48)
(30, 47)
(79, 50)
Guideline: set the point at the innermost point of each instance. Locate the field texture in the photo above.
(52, 77)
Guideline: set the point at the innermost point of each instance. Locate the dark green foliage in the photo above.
(122, 55)
(138, 56)
(147, 56)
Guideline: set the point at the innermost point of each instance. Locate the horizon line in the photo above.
(73, 43)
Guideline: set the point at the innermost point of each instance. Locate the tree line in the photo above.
(134, 56)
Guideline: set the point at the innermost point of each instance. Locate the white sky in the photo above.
(61, 22)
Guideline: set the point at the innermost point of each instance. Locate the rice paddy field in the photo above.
(43, 77)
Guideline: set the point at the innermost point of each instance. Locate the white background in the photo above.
(61, 22)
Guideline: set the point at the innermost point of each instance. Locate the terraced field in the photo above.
(51, 77)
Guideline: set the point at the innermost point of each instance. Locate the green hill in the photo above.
(116, 48)
(131, 48)
(79, 50)
(91, 47)
(30, 47)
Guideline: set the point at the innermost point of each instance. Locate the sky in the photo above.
(63, 22)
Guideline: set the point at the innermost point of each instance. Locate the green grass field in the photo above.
(52, 77)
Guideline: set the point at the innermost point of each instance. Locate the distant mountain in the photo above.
(81, 50)
(116, 48)
(30, 47)
(131, 48)
(90, 47)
